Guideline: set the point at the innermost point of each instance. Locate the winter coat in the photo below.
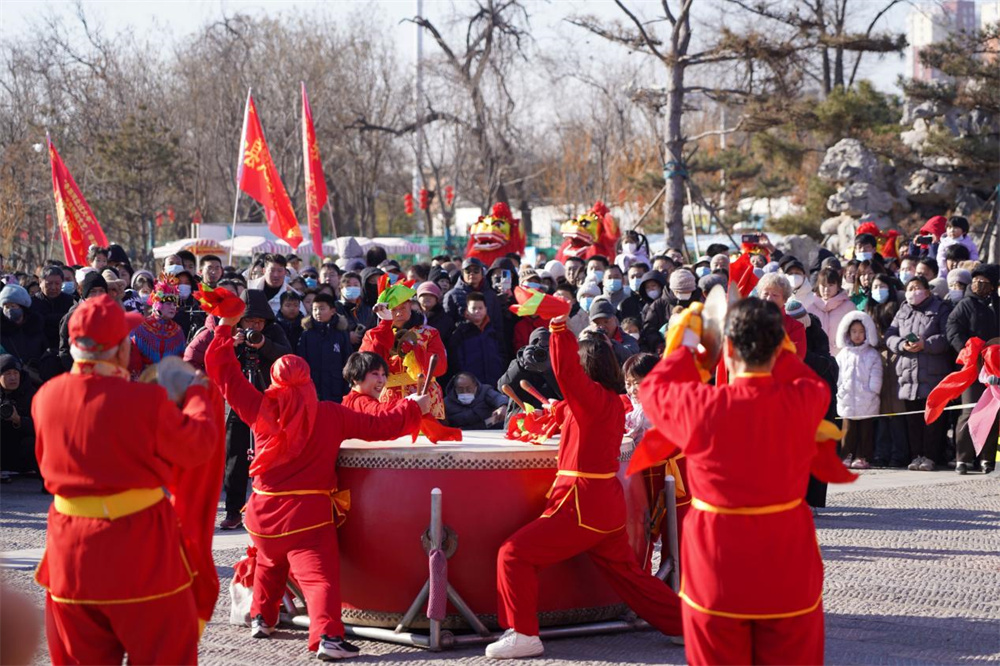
(473, 416)
(442, 321)
(657, 314)
(822, 363)
(650, 337)
(292, 329)
(830, 313)
(275, 301)
(532, 363)
(454, 302)
(920, 372)
(947, 242)
(25, 340)
(477, 351)
(52, 311)
(325, 347)
(860, 382)
(973, 317)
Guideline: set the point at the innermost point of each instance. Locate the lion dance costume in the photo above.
(591, 234)
(495, 235)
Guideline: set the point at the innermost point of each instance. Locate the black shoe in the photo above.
(334, 648)
(986, 466)
(962, 468)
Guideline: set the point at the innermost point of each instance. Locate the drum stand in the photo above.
(438, 638)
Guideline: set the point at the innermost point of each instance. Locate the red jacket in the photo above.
(797, 334)
(744, 565)
(315, 468)
(99, 435)
(593, 420)
(365, 404)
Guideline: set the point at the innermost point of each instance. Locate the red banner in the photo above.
(315, 182)
(258, 177)
(80, 229)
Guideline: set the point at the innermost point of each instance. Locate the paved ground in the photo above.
(912, 577)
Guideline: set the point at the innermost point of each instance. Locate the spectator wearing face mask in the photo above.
(701, 268)
(587, 293)
(651, 289)
(976, 315)
(918, 336)
(958, 281)
(526, 325)
(831, 304)
(579, 318)
(472, 405)
(682, 292)
(17, 430)
(92, 284)
(907, 269)
(865, 249)
(604, 318)
(22, 332)
(859, 387)
(614, 288)
(631, 306)
(956, 233)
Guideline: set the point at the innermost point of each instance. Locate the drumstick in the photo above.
(431, 365)
(526, 385)
(508, 391)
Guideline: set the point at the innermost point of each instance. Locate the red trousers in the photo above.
(160, 631)
(709, 639)
(313, 559)
(546, 541)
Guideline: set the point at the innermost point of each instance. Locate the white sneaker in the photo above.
(513, 645)
(259, 628)
(335, 647)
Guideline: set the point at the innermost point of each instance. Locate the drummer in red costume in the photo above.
(753, 577)
(585, 512)
(114, 569)
(296, 505)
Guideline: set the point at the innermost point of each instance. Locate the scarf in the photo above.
(287, 415)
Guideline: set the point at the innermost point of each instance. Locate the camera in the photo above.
(923, 240)
(751, 238)
(6, 410)
(253, 337)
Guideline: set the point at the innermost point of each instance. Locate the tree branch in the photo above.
(650, 43)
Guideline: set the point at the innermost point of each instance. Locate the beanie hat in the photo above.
(959, 275)
(16, 294)
(556, 269)
(682, 280)
(795, 309)
(92, 280)
(81, 273)
(602, 308)
(429, 287)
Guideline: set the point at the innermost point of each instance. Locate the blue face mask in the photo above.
(702, 271)
(905, 276)
(598, 274)
(311, 282)
(585, 303)
(613, 285)
(864, 256)
(881, 295)
(634, 283)
(352, 293)
(533, 285)
(68, 288)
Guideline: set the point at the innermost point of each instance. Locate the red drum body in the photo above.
(490, 488)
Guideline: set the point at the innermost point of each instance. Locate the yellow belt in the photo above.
(585, 475)
(341, 500)
(745, 510)
(400, 379)
(110, 507)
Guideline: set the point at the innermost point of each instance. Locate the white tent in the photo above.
(198, 246)
(247, 246)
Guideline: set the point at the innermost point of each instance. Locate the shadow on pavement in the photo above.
(899, 639)
(917, 518)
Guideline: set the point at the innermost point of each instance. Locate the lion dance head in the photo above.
(588, 235)
(495, 235)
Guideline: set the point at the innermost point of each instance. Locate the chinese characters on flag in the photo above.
(79, 228)
(258, 177)
(315, 182)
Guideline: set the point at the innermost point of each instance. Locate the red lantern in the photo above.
(408, 203)
(159, 219)
(425, 198)
(449, 195)
(171, 214)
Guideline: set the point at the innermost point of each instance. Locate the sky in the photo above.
(178, 18)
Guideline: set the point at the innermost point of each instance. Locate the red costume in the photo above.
(753, 576)
(114, 566)
(589, 235)
(585, 510)
(296, 504)
(496, 235)
(407, 352)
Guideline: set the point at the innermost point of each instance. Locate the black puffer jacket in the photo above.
(973, 317)
(920, 372)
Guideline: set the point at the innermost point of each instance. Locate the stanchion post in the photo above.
(437, 539)
(669, 488)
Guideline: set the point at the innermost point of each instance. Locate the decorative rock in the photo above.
(800, 246)
(968, 202)
(859, 199)
(848, 161)
(927, 187)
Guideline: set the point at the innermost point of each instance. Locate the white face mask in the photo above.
(172, 269)
(629, 248)
(683, 295)
(847, 285)
(653, 294)
(796, 280)
(864, 256)
(466, 398)
(956, 294)
(184, 290)
(916, 297)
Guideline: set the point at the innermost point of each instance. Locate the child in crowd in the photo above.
(859, 386)
(956, 233)
(290, 317)
(632, 326)
(471, 405)
(325, 345)
(476, 345)
(636, 368)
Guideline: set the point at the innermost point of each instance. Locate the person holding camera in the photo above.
(259, 341)
(17, 430)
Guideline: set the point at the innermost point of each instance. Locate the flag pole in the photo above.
(239, 176)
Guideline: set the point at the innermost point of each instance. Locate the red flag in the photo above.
(532, 303)
(80, 229)
(258, 177)
(315, 182)
(741, 274)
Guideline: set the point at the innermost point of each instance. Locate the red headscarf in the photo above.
(935, 226)
(287, 414)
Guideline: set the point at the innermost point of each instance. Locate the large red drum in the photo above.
(490, 487)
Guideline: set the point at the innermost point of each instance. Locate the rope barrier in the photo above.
(968, 405)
